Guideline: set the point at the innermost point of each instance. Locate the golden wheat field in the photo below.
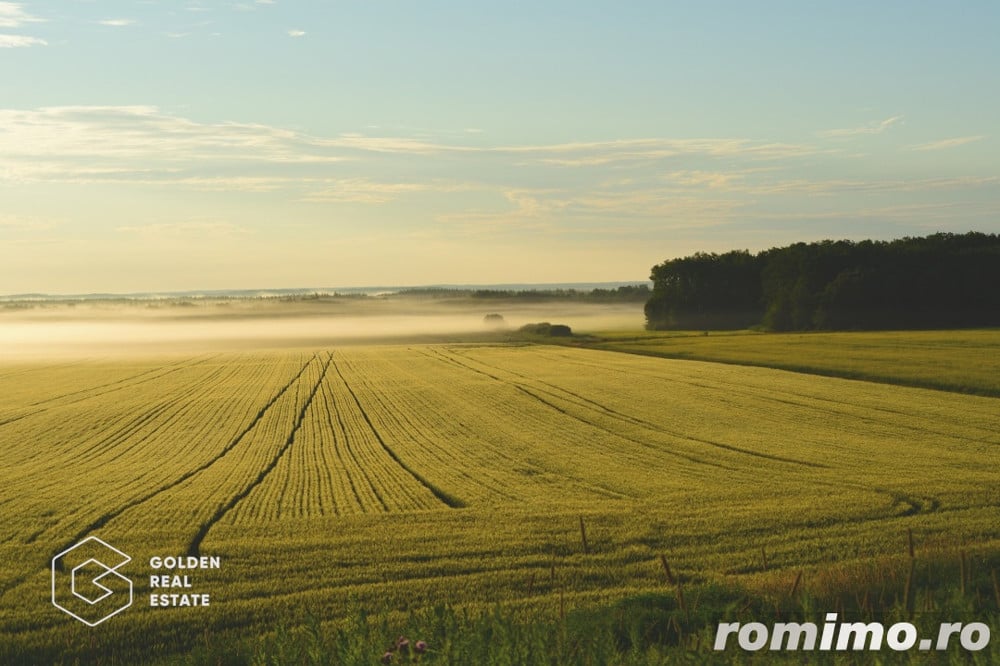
(394, 477)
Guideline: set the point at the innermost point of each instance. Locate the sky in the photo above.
(183, 145)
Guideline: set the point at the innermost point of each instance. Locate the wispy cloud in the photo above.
(228, 183)
(871, 128)
(716, 180)
(198, 183)
(187, 228)
(610, 213)
(772, 181)
(111, 136)
(296, 33)
(578, 154)
(118, 22)
(944, 144)
(842, 186)
(647, 184)
(361, 190)
(582, 154)
(12, 15)
(927, 216)
(388, 144)
(21, 223)
(19, 41)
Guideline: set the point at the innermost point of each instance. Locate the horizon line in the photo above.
(512, 286)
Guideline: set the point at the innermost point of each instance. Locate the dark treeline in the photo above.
(939, 281)
(623, 294)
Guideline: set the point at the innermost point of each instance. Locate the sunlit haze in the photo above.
(228, 145)
(103, 328)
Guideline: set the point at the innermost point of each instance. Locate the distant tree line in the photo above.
(939, 281)
(623, 294)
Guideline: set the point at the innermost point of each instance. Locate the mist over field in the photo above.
(68, 329)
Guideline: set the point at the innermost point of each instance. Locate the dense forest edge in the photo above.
(943, 280)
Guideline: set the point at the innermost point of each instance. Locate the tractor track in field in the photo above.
(119, 385)
(583, 400)
(34, 368)
(914, 505)
(821, 404)
(332, 411)
(651, 426)
(910, 504)
(522, 389)
(842, 409)
(190, 404)
(125, 382)
(445, 498)
(123, 433)
(349, 452)
(127, 429)
(829, 404)
(123, 428)
(590, 486)
(414, 420)
(195, 544)
(107, 517)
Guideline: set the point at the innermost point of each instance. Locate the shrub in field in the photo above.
(545, 328)
(495, 321)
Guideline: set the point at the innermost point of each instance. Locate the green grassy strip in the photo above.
(963, 361)
(676, 625)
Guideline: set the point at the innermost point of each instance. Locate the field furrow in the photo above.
(428, 419)
(872, 430)
(597, 415)
(255, 482)
(200, 436)
(73, 394)
(457, 437)
(191, 499)
(469, 442)
(340, 465)
(203, 410)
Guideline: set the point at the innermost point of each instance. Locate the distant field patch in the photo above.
(966, 361)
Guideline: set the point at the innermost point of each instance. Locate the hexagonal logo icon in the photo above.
(86, 583)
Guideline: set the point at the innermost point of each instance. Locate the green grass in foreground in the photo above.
(966, 361)
(678, 625)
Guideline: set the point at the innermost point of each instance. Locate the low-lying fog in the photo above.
(113, 327)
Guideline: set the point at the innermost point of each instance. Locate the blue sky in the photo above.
(185, 145)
